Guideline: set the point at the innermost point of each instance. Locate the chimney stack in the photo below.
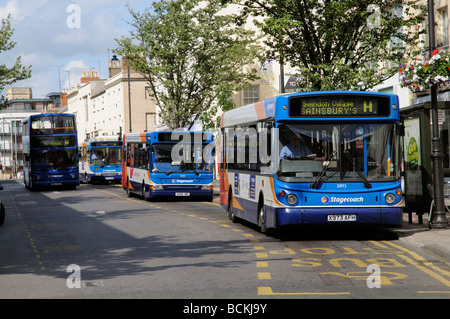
(88, 76)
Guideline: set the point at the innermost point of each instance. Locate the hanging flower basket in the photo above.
(420, 75)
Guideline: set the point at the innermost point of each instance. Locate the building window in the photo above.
(424, 38)
(148, 93)
(151, 122)
(389, 90)
(86, 107)
(444, 26)
(251, 94)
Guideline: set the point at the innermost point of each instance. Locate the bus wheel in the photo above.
(144, 196)
(262, 220)
(261, 217)
(2, 214)
(231, 214)
(128, 188)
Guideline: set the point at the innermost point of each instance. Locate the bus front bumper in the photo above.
(180, 193)
(388, 216)
(104, 178)
(49, 179)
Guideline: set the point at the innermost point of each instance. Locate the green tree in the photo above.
(193, 57)
(345, 44)
(10, 75)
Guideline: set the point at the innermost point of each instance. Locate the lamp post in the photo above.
(438, 219)
(129, 95)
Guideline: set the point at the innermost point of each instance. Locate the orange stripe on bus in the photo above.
(260, 112)
(273, 192)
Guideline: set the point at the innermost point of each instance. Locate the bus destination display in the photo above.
(107, 143)
(53, 141)
(339, 106)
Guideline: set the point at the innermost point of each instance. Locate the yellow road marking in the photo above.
(264, 275)
(267, 291)
(433, 292)
(262, 255)
(262, 264)
(417, 265)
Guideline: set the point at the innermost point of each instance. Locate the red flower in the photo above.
(436, 51)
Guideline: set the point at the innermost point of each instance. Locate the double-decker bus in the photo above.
(346, 170)
(168, 163)
(50, 150)
(101, 161)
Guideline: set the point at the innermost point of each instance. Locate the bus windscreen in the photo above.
(47, 125)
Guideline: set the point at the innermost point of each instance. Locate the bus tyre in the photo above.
(144, 196)
(262, 220)
(231, 215)
(2, 214)
(128, 188)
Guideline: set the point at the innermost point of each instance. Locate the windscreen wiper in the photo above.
(318, 179)
(360, 173)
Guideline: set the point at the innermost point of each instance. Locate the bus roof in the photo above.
(49, 114)
(273, 107)
(153, 136)
(52, 114)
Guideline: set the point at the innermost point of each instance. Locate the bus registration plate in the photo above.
(182, 194)
(342, 218)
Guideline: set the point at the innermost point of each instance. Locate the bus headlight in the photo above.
(206, 187)
(156, 187)
(291, 199)
(389, 198)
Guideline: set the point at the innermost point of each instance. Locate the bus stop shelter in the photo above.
(417, 155)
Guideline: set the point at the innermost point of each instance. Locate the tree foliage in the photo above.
(193, 57)
(10, 75)
(345, 44)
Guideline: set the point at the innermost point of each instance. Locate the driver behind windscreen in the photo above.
(296, 148)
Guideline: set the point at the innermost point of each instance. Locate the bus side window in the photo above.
(148, 158)
(222, 151)
(264, 144)
(128, 154)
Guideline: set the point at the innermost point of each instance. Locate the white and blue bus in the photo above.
(350, 173)
(101, 161)
(168, 163)
(50, 150)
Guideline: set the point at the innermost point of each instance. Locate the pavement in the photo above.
(435, 241)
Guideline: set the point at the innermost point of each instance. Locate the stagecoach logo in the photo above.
(340, 200)
(182, 181)
(325, 199)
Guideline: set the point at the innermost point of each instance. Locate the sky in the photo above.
(60, 38)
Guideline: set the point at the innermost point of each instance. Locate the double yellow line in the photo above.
(423, 265)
